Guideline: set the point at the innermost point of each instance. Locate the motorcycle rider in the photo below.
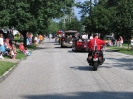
(95, 44)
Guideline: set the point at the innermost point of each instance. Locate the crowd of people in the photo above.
(8, 45)
(115, 42)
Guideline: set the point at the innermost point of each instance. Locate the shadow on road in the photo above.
(39, 48)
(49, 42)
(83, 95)
(56, 44)
(126, 63)
(112, 50)
(70, 51)
(62, 47)
(84, 68)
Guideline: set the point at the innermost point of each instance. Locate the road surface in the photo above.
(52, 72)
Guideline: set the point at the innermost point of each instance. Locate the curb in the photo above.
(7, 73)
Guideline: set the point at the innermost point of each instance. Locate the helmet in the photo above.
(95, 34)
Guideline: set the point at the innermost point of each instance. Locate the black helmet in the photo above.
(95, 34)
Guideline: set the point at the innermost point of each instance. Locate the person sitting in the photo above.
(21, 47)
(7, 46)
(3, 50)
(24, 49)
(1, 55)
(13, 50)
(27, 52)
(2, 47)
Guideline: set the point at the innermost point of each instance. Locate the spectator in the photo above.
(1, 39)
(13, 50)
(40, 39)
(7, 46)
(21, 47)
(132, 43)
(1, 55)
(35, 40)
(2, 47)
(24, 49)
(2, 32)
(21, 36)
(28, 41)
(10, 36)
(120, 41)
(27, 52)
(113, 40)
(91, 37)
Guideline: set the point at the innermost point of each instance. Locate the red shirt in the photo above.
(98, 44)
(21, 47)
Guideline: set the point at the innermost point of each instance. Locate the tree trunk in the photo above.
(129, 39)
(24, 32)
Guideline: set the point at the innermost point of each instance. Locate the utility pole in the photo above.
(64, 21)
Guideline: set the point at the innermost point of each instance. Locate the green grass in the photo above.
(5, 66)
(20, 55)
(18, 40)
(123, 50)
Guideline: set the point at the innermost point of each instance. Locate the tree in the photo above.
(32, 15)
(110, 16)
(74, 25)
(124, 18)
(53, 27)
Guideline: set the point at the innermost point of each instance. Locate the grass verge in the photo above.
(123, 50)
(5, 66)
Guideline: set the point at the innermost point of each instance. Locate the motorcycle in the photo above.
(95, 59)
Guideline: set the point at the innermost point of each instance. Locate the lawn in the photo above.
(5, 66)
(124, 49)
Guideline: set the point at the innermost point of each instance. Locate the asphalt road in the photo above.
(52, 72)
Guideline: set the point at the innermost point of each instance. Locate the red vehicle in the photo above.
(80, 45)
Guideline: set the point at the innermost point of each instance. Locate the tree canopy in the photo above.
(32, 15)
(108, 16)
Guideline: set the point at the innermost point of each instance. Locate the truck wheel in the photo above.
(62, 45)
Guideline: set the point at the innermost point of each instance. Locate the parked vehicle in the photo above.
(66, 39)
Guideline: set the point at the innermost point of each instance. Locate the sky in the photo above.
(76, 10)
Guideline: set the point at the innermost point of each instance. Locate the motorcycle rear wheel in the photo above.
(95, 66)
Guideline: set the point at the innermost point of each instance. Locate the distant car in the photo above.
(108, 37)
(66, 39)
(80, 45)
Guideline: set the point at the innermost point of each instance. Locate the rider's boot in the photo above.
(102, 61)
